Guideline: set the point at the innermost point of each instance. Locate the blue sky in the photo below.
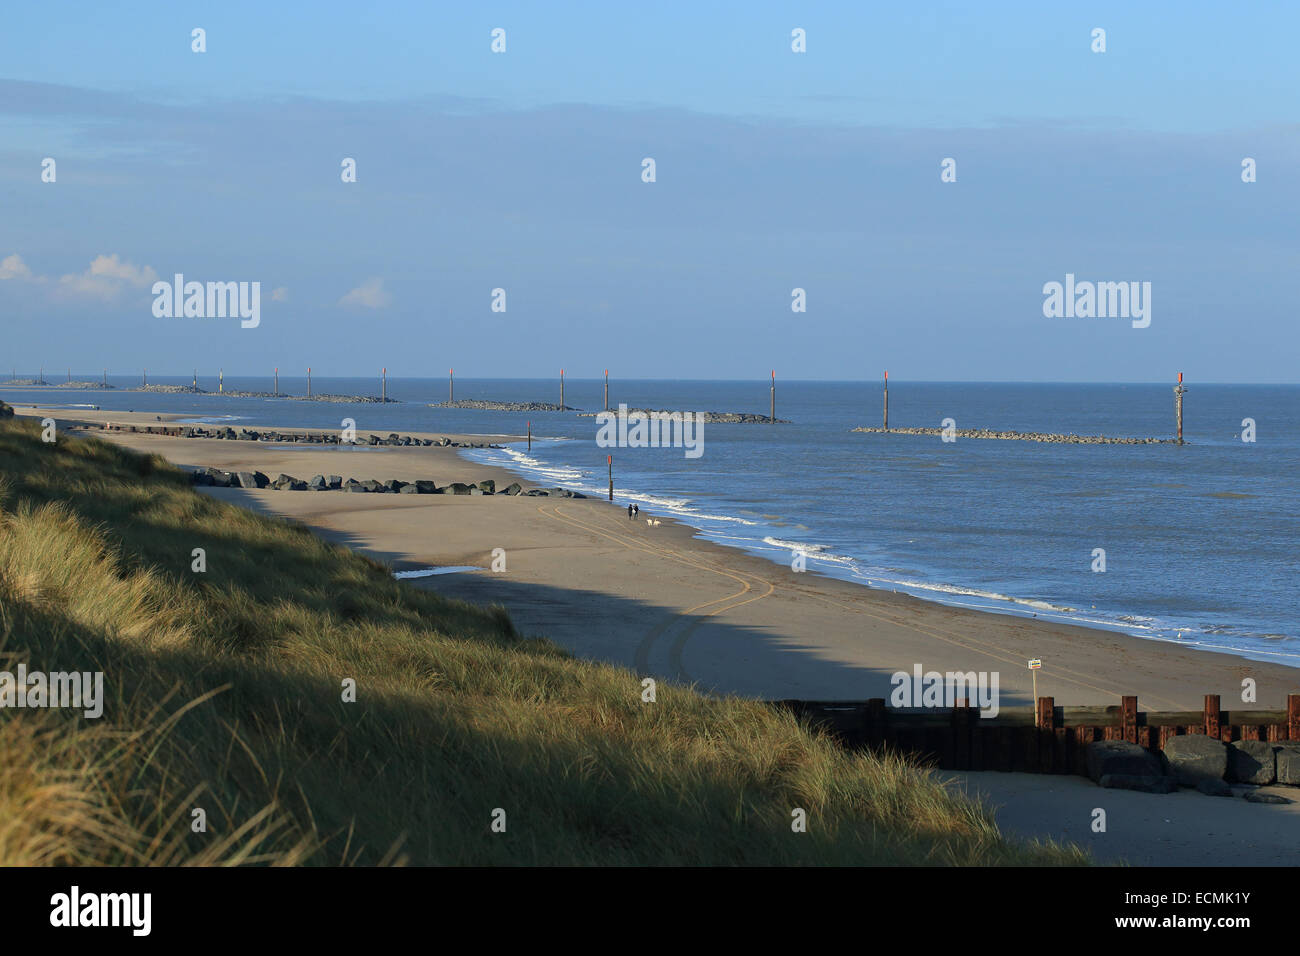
(775, 170)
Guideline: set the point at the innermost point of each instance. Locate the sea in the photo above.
(1201, 542)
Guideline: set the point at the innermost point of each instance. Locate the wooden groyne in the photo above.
(1056, 437)
(708, 418)
(226, 433)
(488, 406)
(1040, 739)
(951, 432)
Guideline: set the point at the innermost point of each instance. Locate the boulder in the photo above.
(488, 486)
(200, 478)
(456, 488)
(425, 487)
(335, 482)
(513, 488)
(252, 479)
(411, 489)
(475, 491)
(353, 485)
(220, 479)
(1255, 796)
(1119, 758)
(374, 487)
(317, 483)
(1145, 783)
(1192, 758)
(1251, 761)
(1287, 755)
(298, 485)
(284, 479)
(394, 485)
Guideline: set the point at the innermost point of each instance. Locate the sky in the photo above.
(775, 170)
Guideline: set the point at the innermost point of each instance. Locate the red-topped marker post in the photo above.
(609, 459)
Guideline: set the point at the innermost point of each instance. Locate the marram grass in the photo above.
(223, 693)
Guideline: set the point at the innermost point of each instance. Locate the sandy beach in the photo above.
(670, 605)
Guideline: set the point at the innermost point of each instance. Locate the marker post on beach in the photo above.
(1034, 665)
(607, 394)
(221, 380)
(530, 436)
(144, 379)
(196, 380)
(773, 415)
(1178, 406)
(277, 381)
(610, 461)
(309, 381)
(451, 385)
(886, 399)
(105, 378)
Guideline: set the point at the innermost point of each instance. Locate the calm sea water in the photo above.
(1200, 541)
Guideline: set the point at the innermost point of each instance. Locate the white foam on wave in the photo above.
(210, 419)
(911, 584)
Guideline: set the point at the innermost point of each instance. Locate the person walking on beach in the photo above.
(636, 511)
(629, 512)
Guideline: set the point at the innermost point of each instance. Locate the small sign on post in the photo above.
(1034, 665)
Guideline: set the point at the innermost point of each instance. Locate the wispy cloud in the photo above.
(13, 267)
(107, 277)
(369, 295)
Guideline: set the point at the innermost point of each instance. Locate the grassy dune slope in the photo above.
(224, 693)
